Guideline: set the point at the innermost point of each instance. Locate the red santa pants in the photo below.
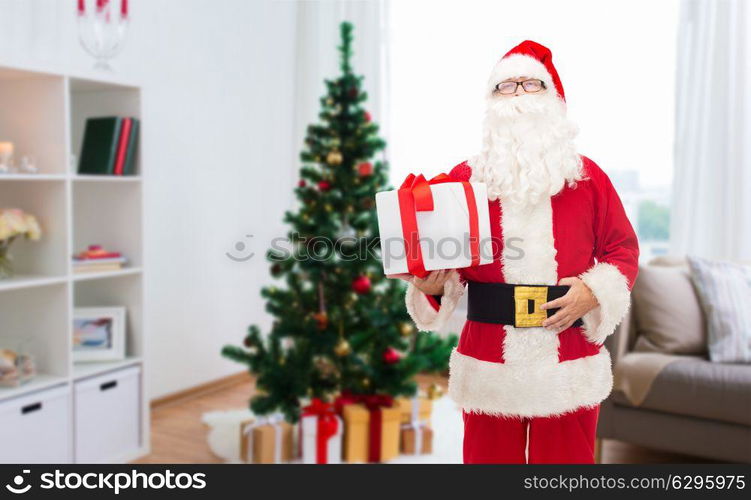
(563, 439)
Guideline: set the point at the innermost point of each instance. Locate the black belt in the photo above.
(515, 305)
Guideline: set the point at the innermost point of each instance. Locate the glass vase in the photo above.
(6, 263)
(102, 29)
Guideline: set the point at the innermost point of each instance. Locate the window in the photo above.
(616, 62)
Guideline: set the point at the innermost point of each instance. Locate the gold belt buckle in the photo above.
(527, 302)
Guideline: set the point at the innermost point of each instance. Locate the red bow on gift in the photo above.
(415, 196)
(326, 426)
(374, 403)
(370, 400)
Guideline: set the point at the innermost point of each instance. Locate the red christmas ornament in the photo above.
(324, 185)
(365, 169)
(301, 183)
(391, 356)
(361, 285)
(367, 116)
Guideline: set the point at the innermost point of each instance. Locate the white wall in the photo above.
(219, 158)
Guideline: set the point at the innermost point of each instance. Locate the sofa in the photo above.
(689, 404)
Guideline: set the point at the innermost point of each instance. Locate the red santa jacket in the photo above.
(501, 370)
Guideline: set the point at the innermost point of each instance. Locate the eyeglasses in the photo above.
(530, 86)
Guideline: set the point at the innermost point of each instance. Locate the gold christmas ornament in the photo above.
(406, 329)
(435, 391)
(342, 348)
(324, 365)
(334, 158)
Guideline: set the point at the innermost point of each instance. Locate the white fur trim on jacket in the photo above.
(426, 318)
(610, 288)
(529, 389)
(517, 65)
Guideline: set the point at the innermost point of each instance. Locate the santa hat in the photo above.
(528, 59)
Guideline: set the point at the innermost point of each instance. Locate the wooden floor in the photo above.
(179, 436)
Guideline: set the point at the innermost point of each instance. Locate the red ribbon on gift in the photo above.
(415, 196)
(374, 403)
(326, 426)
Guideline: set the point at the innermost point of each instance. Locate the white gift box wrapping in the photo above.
(443, 231)
(309, 431)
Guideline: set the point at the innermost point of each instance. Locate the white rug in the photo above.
(448, 433)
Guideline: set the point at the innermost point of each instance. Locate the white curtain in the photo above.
(711, 212)
(317, 57)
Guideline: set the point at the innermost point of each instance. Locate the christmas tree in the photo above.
(340, 325)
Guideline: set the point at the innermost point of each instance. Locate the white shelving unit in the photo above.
(43, 112)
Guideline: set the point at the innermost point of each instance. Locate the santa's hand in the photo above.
(433, 283)
(577, 302)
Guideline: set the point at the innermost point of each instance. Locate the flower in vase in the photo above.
(14, 223)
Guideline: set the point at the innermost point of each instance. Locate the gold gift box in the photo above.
(405, 407)
(357, 433)
(409, 440)
(264, 443)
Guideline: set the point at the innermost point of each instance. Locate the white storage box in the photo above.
(36, 428)
(108, 416)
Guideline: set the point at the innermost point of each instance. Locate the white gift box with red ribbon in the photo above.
(321, 434)
(427, 225)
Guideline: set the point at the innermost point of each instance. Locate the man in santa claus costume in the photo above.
(530, 370)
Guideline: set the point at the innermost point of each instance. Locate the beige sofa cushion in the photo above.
(724, 291)
(667, 314)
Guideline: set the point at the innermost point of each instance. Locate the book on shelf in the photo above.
(109, 146)
(96, 259)
(98, 265)
(122, 146)
(132, 148)
(100, 268)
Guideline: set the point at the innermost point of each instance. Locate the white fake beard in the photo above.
(528, 148)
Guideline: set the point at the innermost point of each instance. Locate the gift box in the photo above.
(406, 407)
(267, 440)
(416, 434)
(321, 432)
(417, 439)
(433, 224)
(371, 429)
